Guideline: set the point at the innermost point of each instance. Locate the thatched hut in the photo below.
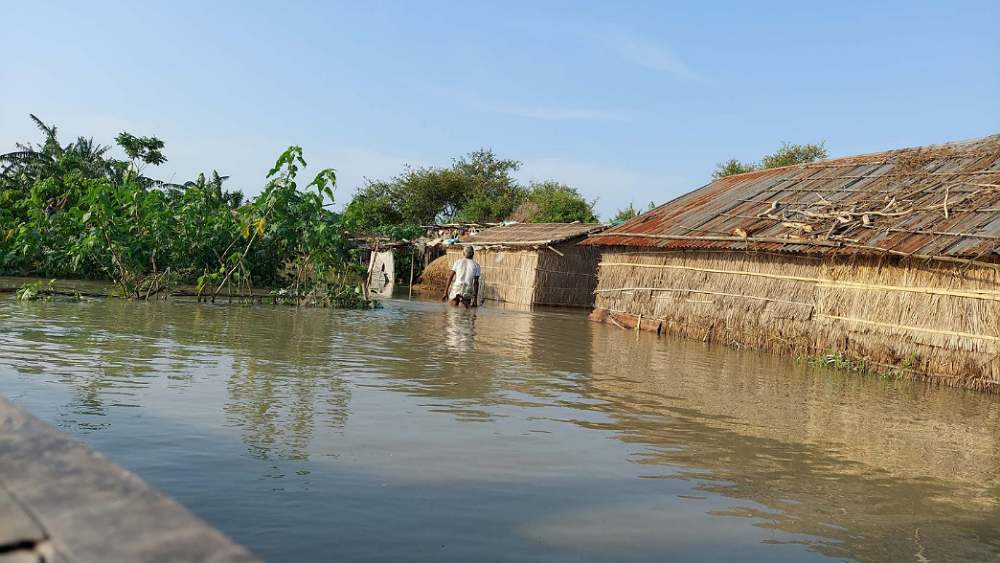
(891, 259)
(535, 263)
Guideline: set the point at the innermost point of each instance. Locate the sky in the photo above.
(629, 102)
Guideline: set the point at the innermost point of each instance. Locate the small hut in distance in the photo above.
(535, 263)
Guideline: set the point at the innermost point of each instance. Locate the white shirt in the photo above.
(466, 271)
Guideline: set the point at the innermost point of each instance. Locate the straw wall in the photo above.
(537, 276)
(568, 280)
(929, 321)
(507, 275)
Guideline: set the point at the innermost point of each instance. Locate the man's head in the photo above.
(469, 251)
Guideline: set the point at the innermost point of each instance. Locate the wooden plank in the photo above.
(17, 526)
(93, 510)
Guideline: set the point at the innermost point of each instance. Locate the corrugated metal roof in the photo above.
(938, 200)
(532, 234)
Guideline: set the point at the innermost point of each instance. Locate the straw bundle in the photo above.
(435, 275)
(938, 322)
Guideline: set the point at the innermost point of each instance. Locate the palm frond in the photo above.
(48, 130)
(11, 161)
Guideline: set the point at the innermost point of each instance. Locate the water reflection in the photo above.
(872, 470)
(681, 438)
(460, 331)
(278, 364)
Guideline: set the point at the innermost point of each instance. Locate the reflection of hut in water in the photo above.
(829, 457)
(889, 258)
(535, 263)
(475, 358)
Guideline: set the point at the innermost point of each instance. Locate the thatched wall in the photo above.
(537, 276)
(568, 280)
(939, 322)
(507, 275)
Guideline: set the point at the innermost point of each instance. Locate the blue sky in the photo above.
(627, 101)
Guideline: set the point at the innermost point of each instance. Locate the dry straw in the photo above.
(937, 322)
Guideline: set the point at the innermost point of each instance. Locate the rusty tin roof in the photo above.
(933, 201)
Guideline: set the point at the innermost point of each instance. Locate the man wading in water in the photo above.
(465, 275)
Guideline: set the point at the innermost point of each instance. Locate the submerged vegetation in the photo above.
(73, 211)
(34, 291)
(839, 361)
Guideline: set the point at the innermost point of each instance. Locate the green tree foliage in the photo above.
(49, 160)
(789, 154)
(493, 194)
(70, 211)
(478, 187)
(732, 167)
(552, 202)
(145, 150)
(786, 155)
(630, 212)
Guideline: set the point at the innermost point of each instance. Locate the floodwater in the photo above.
(424, 433)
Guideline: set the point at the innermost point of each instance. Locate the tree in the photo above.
(553, 202)
(732, 167)
(72, 211)
(478, 187)
(631, 212)
(494, 194)
(30, 162)
(141, 150)
(787, 154)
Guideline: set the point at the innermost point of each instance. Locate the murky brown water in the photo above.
(419, 432)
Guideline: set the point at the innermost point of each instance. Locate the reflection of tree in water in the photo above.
(284, 363)
(822, 455)
(102, 350)
(280, 361)
(282, 368)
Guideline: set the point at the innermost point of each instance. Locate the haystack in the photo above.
(890, 259)
(435, 275)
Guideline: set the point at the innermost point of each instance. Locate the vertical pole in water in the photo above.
(413, 257)
(638, 324)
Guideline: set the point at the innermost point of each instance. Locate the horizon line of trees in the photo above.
(477, 188)
(75, 211)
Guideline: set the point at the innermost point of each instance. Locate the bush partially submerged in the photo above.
(71, 211)
(34, 291)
